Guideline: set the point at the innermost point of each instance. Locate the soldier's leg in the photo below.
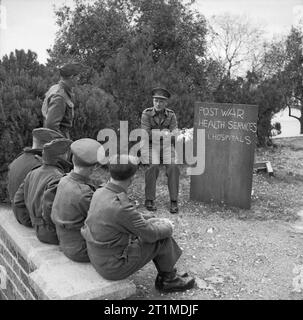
(173, 174)
(168, 254)
(151, 176)
(168, 280)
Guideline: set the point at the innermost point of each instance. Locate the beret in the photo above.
(56, 147)
(86, 150)
(123, 167)
(70, 69)
(45, 135)
(161, 93)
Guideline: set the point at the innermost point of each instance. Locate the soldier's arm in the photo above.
(48, 198)
(173, 126)
(148, 231)
(145, 123)
(55, 114)
(85, 200)
(19, 207)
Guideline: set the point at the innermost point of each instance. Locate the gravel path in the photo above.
(233, 259)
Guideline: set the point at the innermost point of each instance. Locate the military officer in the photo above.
(120, 240)
(36, 194)
(29, 159)
(160, 117)
(74, 193)
(58, 105)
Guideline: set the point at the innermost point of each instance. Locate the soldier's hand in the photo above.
(168, 221)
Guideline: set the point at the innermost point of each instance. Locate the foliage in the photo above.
(161, 43)
(23, 84)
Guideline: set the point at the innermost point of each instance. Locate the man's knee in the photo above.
(172, 168)
(153, 168)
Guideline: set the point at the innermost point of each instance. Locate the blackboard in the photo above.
(230, 138)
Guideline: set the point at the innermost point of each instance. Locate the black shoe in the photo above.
(150, 205)
(174, 207)
(175, 284)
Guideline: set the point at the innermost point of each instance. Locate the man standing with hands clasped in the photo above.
(164, 119)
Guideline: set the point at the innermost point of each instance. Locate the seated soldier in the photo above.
(74, 193)
(29, 159)
(121, 241)
(36, 194)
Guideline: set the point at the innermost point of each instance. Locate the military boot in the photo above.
(174, 207)
(173, 282)
(150, 205)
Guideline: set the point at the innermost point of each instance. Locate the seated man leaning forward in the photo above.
(73, 197)
(36, 194)
(121, 241)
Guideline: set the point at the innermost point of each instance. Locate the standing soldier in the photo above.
(28, 160)
(58, 106)
(160, 117)
(72, 200)
(36, 194)
(120, 240)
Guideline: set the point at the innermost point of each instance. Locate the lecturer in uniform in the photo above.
(164, 119)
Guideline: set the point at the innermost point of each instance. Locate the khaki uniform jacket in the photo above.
(119, 239)
(150, 119)
(70, 207)
(58, 109)
(28, 160)
(35, 198)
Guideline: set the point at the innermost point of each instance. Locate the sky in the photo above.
(30, 24)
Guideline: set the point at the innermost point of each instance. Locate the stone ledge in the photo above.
(50, 274)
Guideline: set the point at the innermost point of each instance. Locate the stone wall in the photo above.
(31, 270)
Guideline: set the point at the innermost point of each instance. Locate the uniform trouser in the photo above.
(47, 234)
(72, 244)
(164, 254)
(151, 175)
(157, 156)
(22, 216)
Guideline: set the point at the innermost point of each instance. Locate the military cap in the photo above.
(161, 93)
(86, 151)
(123, 167)
(45, 135)
(56, 148)
(70, 69)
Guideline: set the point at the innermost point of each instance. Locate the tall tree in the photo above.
(293, 73)
(133, 45)
(235, 42)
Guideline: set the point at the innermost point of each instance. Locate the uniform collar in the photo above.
(66, 87)
(33, 151)
(114, 187)
(80, 178)
(61, 164)
(154, 112)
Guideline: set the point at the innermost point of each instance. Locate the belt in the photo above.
(125, 251)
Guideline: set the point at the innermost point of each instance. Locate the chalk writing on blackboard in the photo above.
(230, 119)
